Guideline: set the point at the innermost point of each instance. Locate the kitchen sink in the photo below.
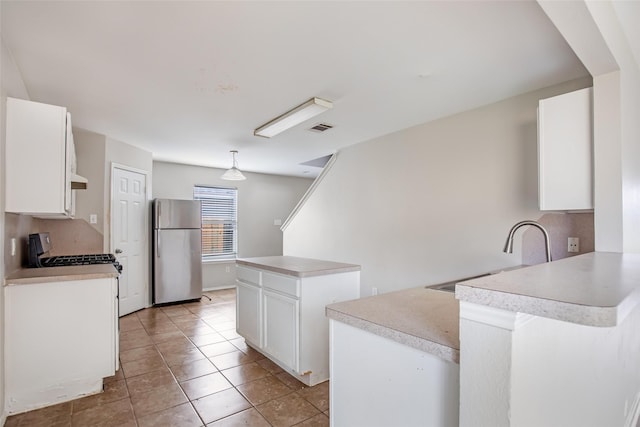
(451, 286)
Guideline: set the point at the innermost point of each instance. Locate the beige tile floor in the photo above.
(184, 365)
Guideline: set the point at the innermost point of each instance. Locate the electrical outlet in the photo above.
(227, 269)
(93, 219)
(573, 244)
(374, 291)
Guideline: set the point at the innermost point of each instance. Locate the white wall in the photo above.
(11, 84)
(91, 152)
(261, 200)
(3, 101)
(605, 47)
(528, 371)
(573, 375)
(431, 203)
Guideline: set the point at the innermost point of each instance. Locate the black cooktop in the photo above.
(69, 260)
(63, 260)
(39, 243)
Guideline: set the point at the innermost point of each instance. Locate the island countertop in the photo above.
(27, 276)
(421, 318)
(594, 289)
(298, 267)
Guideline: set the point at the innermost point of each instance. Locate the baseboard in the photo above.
(218, 288)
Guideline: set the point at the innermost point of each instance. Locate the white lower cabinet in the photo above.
(249, 302)
(378, 382)
(61, 340)
(283, 317)
(281, 325)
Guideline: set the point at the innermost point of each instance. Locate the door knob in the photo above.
(118, 251)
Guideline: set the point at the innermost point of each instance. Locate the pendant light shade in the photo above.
(234, 173)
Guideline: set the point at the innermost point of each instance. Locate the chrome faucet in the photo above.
(508, 246)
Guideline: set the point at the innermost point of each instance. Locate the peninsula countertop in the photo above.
(424, 319)
(593, 289)
(298, 267)
(27, 276)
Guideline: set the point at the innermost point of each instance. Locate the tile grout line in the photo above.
(234, 386)
(172, 373)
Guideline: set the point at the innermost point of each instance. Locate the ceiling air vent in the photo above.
(321, 127)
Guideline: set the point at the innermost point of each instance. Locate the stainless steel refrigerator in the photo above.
(177, 250)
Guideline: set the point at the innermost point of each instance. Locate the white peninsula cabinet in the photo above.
(395, 360)
(281, 304)
(565, 152)
(61, 334)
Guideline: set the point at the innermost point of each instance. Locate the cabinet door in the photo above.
(281, 326)
(60, 340)
(36, 176)
(249, 313)
(565, 152)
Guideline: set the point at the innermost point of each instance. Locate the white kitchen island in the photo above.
(280, 309)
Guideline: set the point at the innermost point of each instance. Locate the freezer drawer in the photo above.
(177, 265)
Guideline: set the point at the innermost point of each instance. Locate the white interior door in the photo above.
(129, 236)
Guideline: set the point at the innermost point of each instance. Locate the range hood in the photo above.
(78, 182)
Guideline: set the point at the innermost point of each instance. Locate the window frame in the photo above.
(207, 195)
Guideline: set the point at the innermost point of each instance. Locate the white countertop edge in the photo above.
(28, 276)
(558, 310)
(326, 267)
(303, 274)
(442, 351)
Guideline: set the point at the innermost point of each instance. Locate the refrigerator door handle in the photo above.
(157, 244)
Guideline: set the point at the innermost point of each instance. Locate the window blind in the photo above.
(219, 221)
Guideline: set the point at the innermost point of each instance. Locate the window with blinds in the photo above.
(219, 221)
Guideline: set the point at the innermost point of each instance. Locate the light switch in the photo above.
(277, 222)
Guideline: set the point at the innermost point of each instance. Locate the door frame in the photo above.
(146, 268)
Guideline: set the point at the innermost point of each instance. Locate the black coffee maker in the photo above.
(37, 245)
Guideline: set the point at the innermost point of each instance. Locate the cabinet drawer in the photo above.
(248, 275)
(283, 284)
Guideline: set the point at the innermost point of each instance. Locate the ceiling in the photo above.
(190, 81)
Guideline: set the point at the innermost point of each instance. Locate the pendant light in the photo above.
(234, 173)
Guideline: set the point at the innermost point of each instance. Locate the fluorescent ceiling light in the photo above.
(294, 117)
(234, 173)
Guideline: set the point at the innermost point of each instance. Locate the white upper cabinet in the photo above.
(565, 152)
(40, 160)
